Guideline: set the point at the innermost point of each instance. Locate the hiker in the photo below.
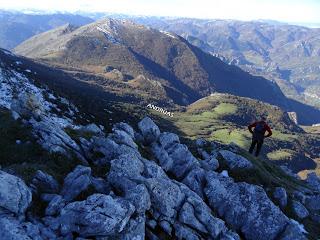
(258, 134)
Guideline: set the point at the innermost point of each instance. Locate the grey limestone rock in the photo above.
(149, 130)
(280, 196)
(245, 207)
(99, 215)
(299, 210)
(15, 196)
(235, 161)
(76, 182)
(45, 183)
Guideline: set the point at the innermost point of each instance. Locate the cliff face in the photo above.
(150, 186)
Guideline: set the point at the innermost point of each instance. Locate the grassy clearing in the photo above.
(276, 134)
(224, 119)
(227, 136)
(220, 111)
(208, 124)
(280, 154)
(225, 109)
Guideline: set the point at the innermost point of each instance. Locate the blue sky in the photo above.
(297, 11)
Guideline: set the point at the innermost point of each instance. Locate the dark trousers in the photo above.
(259, 144)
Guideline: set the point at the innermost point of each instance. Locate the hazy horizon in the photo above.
(285, 11)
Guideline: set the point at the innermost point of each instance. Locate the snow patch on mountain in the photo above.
(169, 34)
(110, 29)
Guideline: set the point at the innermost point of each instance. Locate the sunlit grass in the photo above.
(219, 111)
(283, 136)
(282, 154)
(227, 136)
(225, 109)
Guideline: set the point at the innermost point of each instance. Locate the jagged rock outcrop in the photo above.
(293, 231)
(120, 141)
(211, 163)
(98, 215)
(171, 201)
(93, 128)
(245, 207)
(239, 204)
(174, 157)
(54, 138)
(262, 202)
(41, 110)
(171, 194)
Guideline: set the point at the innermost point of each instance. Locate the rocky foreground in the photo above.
(154, 188)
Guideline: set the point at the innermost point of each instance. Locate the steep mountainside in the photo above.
(67, 171)
(97, 102)
(287, 54)
(113, 48)
(219, 117)
(15, 27)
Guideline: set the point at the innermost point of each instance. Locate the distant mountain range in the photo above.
(15, 27)
(277, 51)
(287, 54)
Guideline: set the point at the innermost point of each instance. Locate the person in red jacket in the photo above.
(258, 130)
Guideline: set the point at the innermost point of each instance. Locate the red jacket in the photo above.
(266, 127)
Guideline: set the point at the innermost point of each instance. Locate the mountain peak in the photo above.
(185, 71)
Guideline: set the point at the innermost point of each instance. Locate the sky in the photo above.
(291, 11)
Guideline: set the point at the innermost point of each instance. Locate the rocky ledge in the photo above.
(153, 188)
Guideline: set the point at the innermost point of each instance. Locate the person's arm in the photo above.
(268, 129)
(253, 125)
